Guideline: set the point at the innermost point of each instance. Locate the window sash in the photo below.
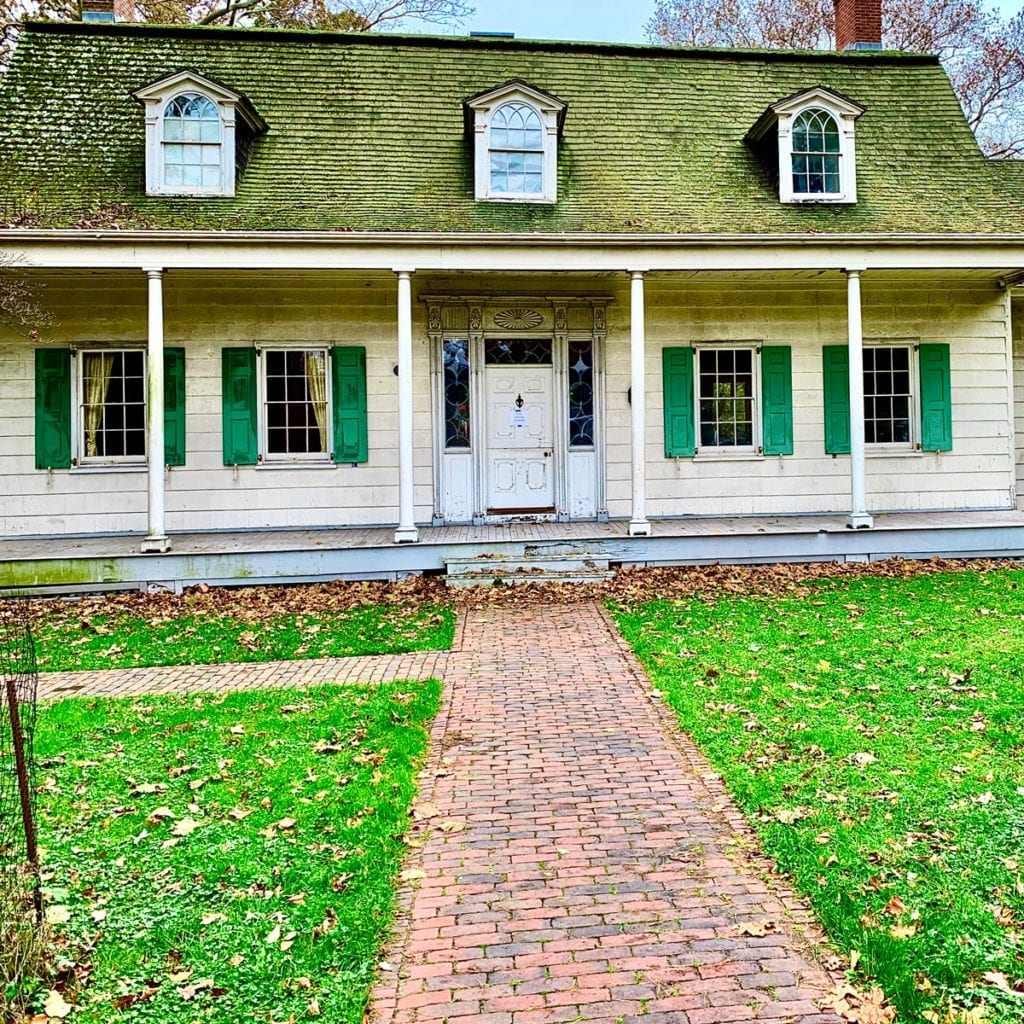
(110, 403)
(314, 422)
(721, 410)
(890, 397)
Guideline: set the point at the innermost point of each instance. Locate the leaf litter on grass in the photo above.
(263, 896)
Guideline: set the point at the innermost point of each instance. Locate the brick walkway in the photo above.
(580, 859)
(584, 862)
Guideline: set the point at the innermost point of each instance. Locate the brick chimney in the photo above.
(108, 10)
(858, 24)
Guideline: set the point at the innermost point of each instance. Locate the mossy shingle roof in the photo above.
(368, 133)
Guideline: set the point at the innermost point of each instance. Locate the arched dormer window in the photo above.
(811, 135)
(516, 151)
(516, 130)
(815, 154)
(195, 131)
(192, 144)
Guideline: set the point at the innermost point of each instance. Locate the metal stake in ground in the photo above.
(24, 793)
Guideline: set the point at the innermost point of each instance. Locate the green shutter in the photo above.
(53, 408)
(936, 400)
(777, 399)
(677, 382)
(239, 404)
(348, 367)
(836, 369)
(174, 406)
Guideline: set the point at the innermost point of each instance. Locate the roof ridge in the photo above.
(858, 57)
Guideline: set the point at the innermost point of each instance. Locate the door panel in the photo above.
(520, 452)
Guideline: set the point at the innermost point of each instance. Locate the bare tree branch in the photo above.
(982, 53)
(20, 309)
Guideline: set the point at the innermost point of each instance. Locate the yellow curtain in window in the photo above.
(96, 369)
(316, 380)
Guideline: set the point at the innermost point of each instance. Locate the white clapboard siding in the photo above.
(206, 312)
(808, 314)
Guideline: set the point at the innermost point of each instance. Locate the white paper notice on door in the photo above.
(518, 417)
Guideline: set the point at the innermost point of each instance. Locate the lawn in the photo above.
(226, 858)
(873, 731)
(73, 636)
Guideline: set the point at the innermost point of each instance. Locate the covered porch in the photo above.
(77, 564)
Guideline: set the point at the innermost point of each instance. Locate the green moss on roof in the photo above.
(367, 133)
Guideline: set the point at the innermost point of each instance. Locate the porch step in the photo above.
(575, 567)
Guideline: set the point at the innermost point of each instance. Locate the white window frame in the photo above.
(230, 106)
(267, 457)
(720, 451)
(914, 443)
(78, 456)
(782, 116)
(550, 112)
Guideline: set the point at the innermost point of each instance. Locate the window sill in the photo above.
(720, 456)
(263, 466)
(112, 467)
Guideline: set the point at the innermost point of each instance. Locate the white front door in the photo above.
(520, 442)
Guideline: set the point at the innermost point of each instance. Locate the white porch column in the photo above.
(156, 536)
(638, 523)
(406, 532)
(859, 518)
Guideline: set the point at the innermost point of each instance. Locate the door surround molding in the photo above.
(476, 317)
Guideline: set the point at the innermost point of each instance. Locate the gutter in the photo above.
(57, 236)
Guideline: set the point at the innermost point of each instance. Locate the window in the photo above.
(516, 150)
(296, 404)
(112, 406)
(196, 133)
(905, 405)
(726, 398)
(293, 405)
(90, 407)
(192, 144)
(516, 129)
(807, 145)
(721, 399)
(888, 399)
(815, 154)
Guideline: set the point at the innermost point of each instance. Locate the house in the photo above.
(384, 286)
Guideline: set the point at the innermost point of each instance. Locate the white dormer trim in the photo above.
(230, 107)
(784, 114)
(551, 112)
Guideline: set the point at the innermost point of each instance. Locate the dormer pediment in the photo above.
(191, 81)
(519, 91)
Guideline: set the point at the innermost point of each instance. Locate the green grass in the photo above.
(67, 642)
(276, 896)
(873, 731)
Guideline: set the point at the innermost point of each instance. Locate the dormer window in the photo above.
(195, 131)
(515, 130)
(814, 145)
(192, 148)
(815, 156)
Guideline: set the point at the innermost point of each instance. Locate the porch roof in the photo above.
(366, 133)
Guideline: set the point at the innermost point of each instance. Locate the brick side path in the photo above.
(580, 860)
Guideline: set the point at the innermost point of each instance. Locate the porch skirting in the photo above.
(82, 564)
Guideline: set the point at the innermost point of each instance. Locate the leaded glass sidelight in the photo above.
(725, 392)
(816, 154)
(516, 150)
(455, 355)
(581, 394)
(191, 140)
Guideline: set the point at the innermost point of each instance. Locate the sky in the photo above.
(619, 21)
